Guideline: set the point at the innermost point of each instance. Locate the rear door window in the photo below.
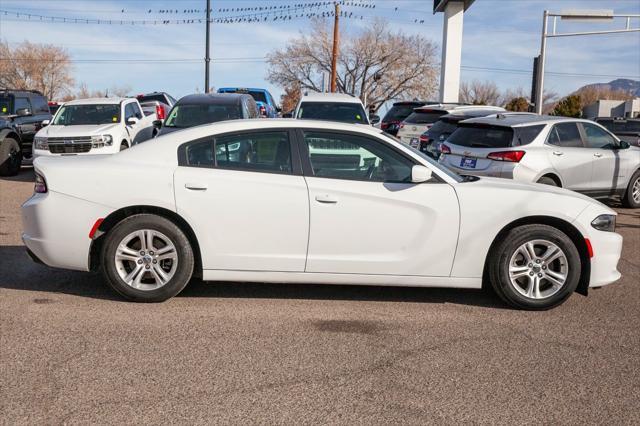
(482, 137)
(565, 135)
(254, 152)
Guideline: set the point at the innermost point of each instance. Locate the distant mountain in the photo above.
(623, 84)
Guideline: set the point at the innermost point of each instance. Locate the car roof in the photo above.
(509, 120)
(252, 89)
(458, 115)
(94, 101)
(212, 98)
(457, 107)
(330, 97)
(416, 103)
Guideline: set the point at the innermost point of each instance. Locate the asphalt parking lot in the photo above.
(73, 352)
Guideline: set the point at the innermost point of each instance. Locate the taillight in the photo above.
(160, 112)
(511, 156)
(40, 186)
(424, 138)
(444, 149)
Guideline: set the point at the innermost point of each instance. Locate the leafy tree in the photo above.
(569, 107)
(519, 104)
(42, 67)
(376, 63)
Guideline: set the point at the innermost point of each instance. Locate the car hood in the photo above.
(82, 130)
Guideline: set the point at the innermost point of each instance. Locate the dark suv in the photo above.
(626, 129)
(398, 112)
(21, 115)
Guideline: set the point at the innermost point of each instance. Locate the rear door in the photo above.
(365, 215)
(569, 157)
(246, 199)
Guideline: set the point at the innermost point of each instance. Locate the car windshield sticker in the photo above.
(358, 116)
(4, 109)
(114, 118)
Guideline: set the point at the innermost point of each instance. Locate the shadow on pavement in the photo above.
(21, 273)
(26, 175)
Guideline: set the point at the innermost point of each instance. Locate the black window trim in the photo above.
(308, 169)
(296, 168)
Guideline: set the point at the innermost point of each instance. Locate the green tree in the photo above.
(569, 107)
(519, 104)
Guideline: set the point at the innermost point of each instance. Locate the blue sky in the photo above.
(498, 34)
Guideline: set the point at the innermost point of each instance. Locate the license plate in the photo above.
(414, 142)
(469, 163)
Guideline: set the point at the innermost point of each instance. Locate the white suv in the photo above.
(94, 126)
(572, 153)
(425, 116)
(333, 107)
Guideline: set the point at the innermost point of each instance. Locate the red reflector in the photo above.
(445, 149)
(424, 138)
(95, 227)
(160, 112)
(589, 247)
(512, 156)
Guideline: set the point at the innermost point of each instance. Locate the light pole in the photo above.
(574, 15)
(207, 58)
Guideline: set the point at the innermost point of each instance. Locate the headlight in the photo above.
(100, 141)
(40, 142)
(605, 222)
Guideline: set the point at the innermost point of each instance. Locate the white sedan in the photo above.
(311, 202)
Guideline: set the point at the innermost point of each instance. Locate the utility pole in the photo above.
(336, 40)
(207, 59)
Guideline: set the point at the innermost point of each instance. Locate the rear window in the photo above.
(424, 117)
(398, 112)
(258, 96)
(442, 126)
(526, 134)
(147, 98)
(346, 112)
(621, 126)
(482, 137)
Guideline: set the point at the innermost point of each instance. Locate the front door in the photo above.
(366, 216)
(247, 205)
(605, 176)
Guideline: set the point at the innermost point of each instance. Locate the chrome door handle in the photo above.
(597, 154)
(326, 199)
(196, 186)
(558, 153)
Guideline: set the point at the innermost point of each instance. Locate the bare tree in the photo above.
(83, 92)
(480, 93)
(376, 64)
(42, 67)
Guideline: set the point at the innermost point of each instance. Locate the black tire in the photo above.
(123, 146)
(10, 157)
(500, 257)
(183, 270)
(627, 199)
(546, 180)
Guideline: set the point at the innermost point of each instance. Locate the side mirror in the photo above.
(157, 123)
(623, 145)
(131, 121)
(23, 112)
(420, 174)
(287, 115)
(374, 119)
(45, 123)
(278, 109)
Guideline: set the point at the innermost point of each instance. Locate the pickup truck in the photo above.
(94, 126)
(266, 104)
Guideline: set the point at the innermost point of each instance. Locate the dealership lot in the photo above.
(74, 352)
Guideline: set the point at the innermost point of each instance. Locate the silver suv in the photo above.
(568, 152)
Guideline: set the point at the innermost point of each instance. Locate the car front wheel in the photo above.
(534, 267)
(631, 197)
(147, 258)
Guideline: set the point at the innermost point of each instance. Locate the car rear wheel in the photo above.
(147, 258)
(534, 267)
(10, 157)
(631, 197)
(546, 180)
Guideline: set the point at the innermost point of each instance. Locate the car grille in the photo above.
(72, 145)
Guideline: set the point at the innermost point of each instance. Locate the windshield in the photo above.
(5, 105)
(194, 115)
(424, 117)
(344, 112)
(621, 126)
(453, 175)
(398, 112)
(74, 115)
(482, 137)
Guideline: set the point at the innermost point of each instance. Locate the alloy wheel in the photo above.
(146, 259)
(538, 269)
(635, 190)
